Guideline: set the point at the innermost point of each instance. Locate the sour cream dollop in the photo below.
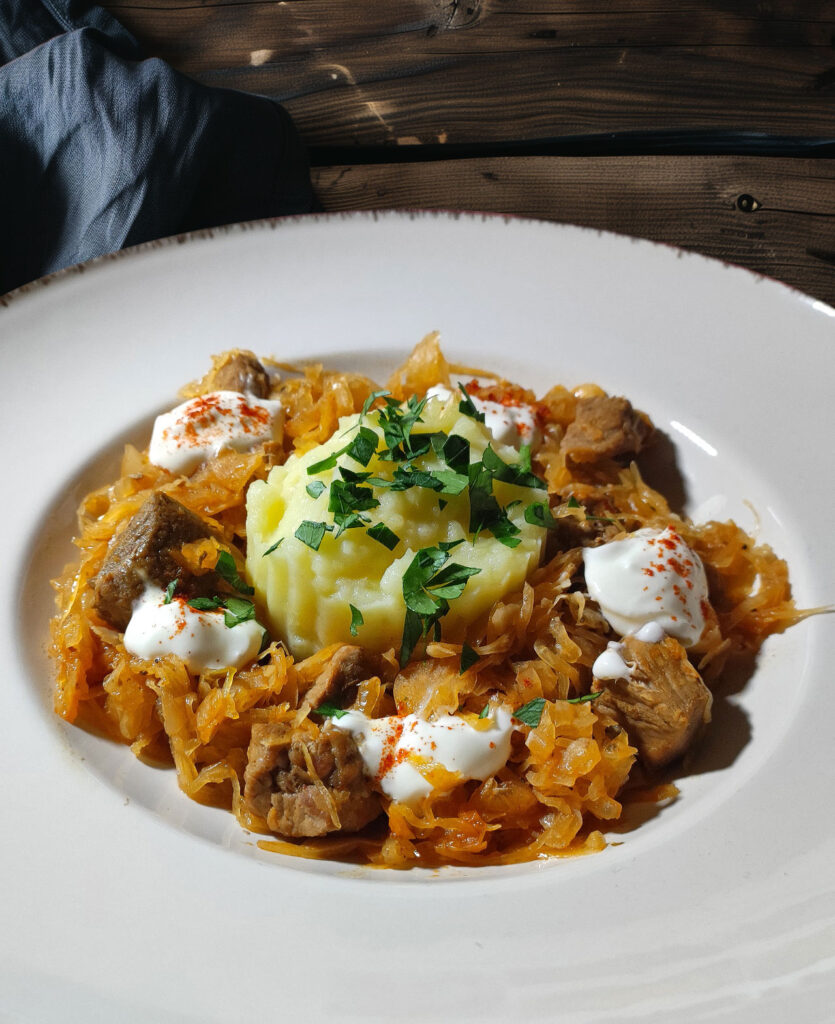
(203, 427)
(402, 754)
(651, 576)
(513, 423)
(201, 639)
(611, 664)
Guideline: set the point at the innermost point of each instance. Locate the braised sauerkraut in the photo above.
(260, 738)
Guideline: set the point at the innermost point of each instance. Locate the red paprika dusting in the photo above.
(390, 756)
(206, 412)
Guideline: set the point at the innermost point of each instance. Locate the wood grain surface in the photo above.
(494, 74)
(417, 71)
(774, 216)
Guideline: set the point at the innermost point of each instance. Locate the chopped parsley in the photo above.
(356, 619)
(383, 535)
(397, 422)
(429, 583)
(315, 488)
(467, 405)
(311, 533)
(237, 610)
(585, 699)
(485, 511)
(468, 658)
(348, 521)
(330, 711)
(516, 474)
(538, 513)
(225, 568)
(530, 713)
(361, 448)
(169, 592)
(372, 398)
(272, 547)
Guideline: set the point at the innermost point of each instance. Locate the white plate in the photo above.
(123, 900)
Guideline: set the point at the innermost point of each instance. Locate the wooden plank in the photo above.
(354, 72)
(774, 216)
(214, 34)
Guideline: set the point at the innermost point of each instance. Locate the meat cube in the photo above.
(241, 371)
(605, 428)
(348, 666)
(662, 706)
(142, 553)
(280, 787)
(601, 526)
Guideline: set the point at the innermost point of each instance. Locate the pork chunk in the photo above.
(601, 526)
(280, 787)
(143, 553)
(664, 704)
(241, 372)
(349, 665)
(605, 428)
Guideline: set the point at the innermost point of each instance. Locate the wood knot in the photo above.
(458, 14)
(747, 203)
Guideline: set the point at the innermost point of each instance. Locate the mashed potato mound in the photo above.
(307, 593)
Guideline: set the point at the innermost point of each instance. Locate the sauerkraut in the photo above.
(574, 760)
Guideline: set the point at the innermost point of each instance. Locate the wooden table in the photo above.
(709, 125)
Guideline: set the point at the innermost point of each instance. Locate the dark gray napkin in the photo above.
(100, 148)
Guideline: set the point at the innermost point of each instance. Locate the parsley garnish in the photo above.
(356, 619)
(397, 425)
(530, 713)
(361, 448)
(169, 592)
(352, 477)
(429, 584)
(538, 513)
(381, 533)
(235, 609)
(238, 610)
(349, 497)
(454, 450)
(413, 630)
(484, 711)
(468, 659)
(225, 568)
(315, 488)
(272, 547)
(327, 463)
(330, 711)
(467, 406)
(348, 521)
(510, 474)
(312, 533)
(451, 482)
(584, 699)
(485, 512)
(372, 398)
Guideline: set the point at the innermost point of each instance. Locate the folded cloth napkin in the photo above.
(100, 148)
